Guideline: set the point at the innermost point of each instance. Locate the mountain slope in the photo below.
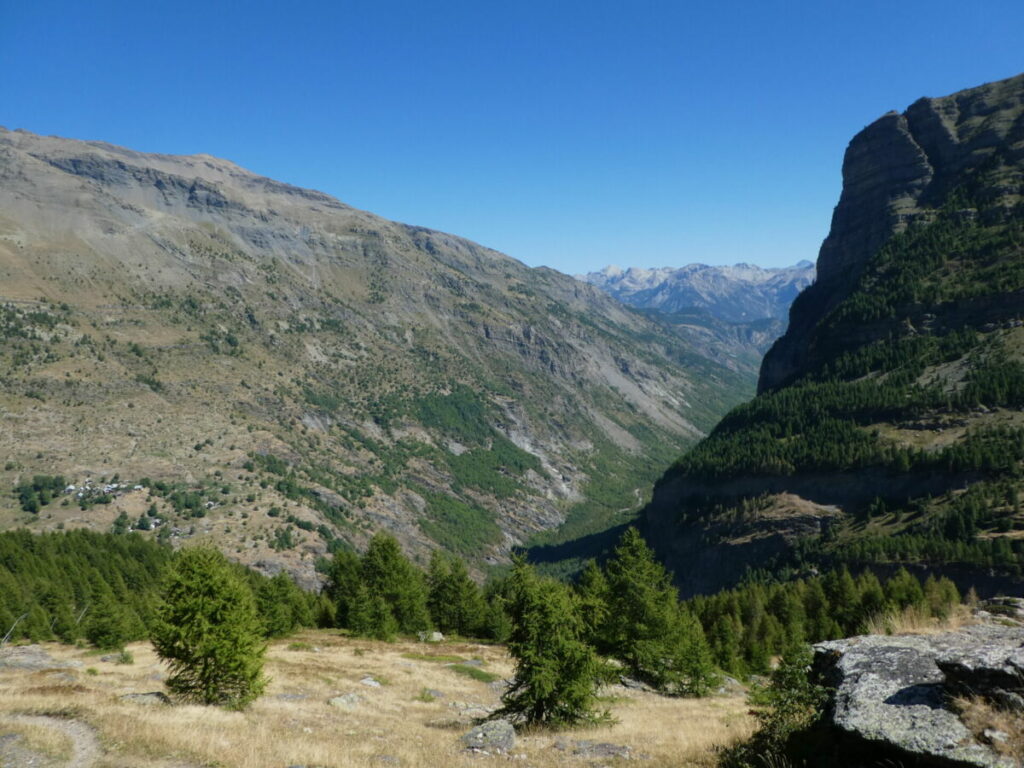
(283, 373)
(888, 428)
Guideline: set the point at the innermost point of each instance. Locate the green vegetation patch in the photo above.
(475, 672)
(458, 526)
(440, 658)
(462, 415)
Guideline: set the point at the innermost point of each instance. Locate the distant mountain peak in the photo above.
(734, 293)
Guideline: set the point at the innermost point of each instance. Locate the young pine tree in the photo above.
(557, 672)
(386, 572)
(646, 629)
(209, 633)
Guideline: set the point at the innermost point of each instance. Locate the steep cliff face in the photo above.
(895, 173)
(287, 373)
(888, 426)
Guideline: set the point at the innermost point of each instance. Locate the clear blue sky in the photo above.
(572, 134)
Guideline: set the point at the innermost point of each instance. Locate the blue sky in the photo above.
(571, 134)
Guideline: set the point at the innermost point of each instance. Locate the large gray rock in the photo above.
(31, 657)
(493, 736)
(892, 694)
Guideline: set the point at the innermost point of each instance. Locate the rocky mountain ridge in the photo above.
(731, 314)
(736, 294)
(887, 429)
(268, 368)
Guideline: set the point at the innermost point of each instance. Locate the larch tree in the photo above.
(209, 632)
(556, 672)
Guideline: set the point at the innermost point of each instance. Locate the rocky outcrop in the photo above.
(892, 172)
(893, 695)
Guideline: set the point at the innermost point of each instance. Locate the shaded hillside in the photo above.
(284, 373)
(889, 427)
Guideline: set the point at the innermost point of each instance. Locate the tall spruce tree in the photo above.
(646, 629)
(557, 672)
(209, 633)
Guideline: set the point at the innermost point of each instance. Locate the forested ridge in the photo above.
(906, 412)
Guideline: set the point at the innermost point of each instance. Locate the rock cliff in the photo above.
(895, 172)
(887, 429)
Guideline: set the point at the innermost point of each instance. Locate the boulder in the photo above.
(346, 701)
(151, 698)
(892, 695)
(31, 657)
(588, 749)
(494, 736)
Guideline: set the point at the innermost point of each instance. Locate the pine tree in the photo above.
(343, 582)
(646, 629)
(592, 589)
(455, 603)
(371, 616)
(209, 632)
(386, 572)
(557, 673)
(108, 625)
(282, 606)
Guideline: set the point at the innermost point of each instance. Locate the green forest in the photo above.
(917, 349)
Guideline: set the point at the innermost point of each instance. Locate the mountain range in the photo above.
(207, 354)
(731, 314)
(736, 294)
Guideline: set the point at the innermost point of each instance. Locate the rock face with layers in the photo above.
(892, 172)
(892, 694)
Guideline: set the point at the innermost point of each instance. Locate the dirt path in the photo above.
(85, 747)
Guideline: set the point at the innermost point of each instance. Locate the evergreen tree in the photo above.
(387, 573)
(108, 626)
(343, 580)
(645, 628)
(371, 616)
(209, 632)
(282, 606)
(592, 589)
(455, 603)
(497, 625)
(557, 673)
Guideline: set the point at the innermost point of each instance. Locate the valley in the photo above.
(287, 374)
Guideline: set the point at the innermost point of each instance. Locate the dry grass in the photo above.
(917, 621)
(981, 716)
(293, 724)
(45, 741)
